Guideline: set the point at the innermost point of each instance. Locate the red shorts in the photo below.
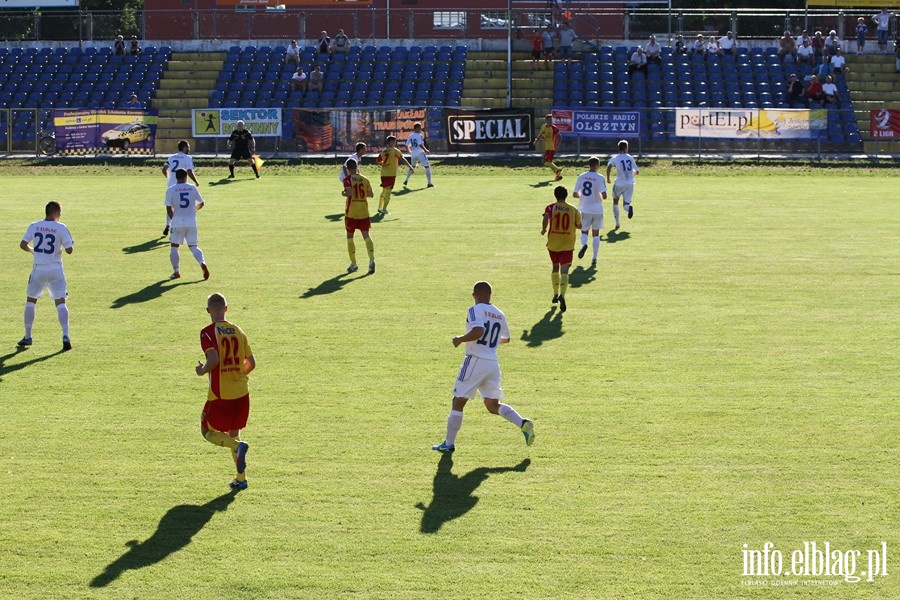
(226, 415)
(561, 258)
(388, 182)
(352, 225)
(548, 155)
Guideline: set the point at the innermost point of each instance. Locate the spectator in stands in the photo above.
(832, 43)
(818, 43)
(536, 51)
(653, 51)
(340, 43)
(727, 44)
(119, 46)
(299, 81)
(316, 79)
(292, 54)
(680, 48)
(897, 52)
(135, 48)
(566, 37)
(861, 30)
(699, 45)
(806, 53)
(795, 90)
(883, 20)
(324, 43)
(638, 62)
(547, 44)
(803, 37)
(787, 46)
(712, 46)
(825, 69)
(813, 91)
(134, 103)
(829, 91)
(839, 62)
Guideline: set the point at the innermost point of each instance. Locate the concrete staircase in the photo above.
(873, 85)
(187, 83)
(485, 83)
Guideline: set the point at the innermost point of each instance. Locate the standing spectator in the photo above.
(536, 51)
(653, 51)
(698, 46)
(829, 91)
(638, 62)
(547, 45)
(897, 53)
(292, 54)
(316, 79)
(134, 103)
(727, 44)
(566, 37)
(813, 91)
(340, 43)
(795, 90)
(832, 43)
(299, 81)
(806, 53)
(787, 46)
(883, 20)
(680, 48)
(712, 46)
(324, 43)
(825, 69)
(818, 44)
(119, 47)
(839, 62)
(135, 47)
(861, 30)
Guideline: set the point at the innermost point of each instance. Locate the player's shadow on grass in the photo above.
(335, 217)
(330, 286)
(151, 292)
(174, 532)
(7, 369)
(453, 494)
(548, 328)
(541, 184)
(614, 236)
(404, 191)
(581, 276)
(226, 181)
(146, 246)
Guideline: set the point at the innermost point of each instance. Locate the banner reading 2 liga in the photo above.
(219, 122)
(884, 124)
(751, 123)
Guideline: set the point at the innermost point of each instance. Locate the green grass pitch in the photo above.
(727, 376)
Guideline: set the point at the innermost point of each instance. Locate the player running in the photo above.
(549, 133)
(389, 158)
(356, 214)
(560, 222)
(590, 188)
(242, 146)
(183, 200)
(418, 153)
(180, 160)
(486, 328)
(50, 238)
(344, 175)
(229, 360)
(626, 170)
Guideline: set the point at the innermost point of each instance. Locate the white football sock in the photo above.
(583, 238)
(409, 174)
(616, 212)
(62, 312)
(509, 413)
(428, 173)
(596, 242)
(173, 256)
(454, 422)
(29, 317)
(198, 253)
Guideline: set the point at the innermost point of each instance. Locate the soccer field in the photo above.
(727, 376)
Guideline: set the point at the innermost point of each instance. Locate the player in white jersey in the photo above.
(590, 189)
(626, 170)
(50, 238)
(486, 328)
(418, 151)
(183, 200)
(180, 160)
(346, 172)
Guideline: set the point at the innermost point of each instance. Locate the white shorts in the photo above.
(419, 157)
(623, 190)
(478, 374)
(183, 235)
(47, 277)
(591, 221)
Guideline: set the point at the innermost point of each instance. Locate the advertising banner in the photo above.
(598, 123)
(884, 124)
(92, 131)
(489, 130)
(220, 122)
(750, 123)
(340, 130)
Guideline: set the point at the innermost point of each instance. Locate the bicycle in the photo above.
(47, 142)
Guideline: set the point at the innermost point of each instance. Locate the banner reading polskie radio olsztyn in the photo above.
(489, 130)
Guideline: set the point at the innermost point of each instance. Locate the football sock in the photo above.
(509, 413)
(554, 277)
(387, 197)
(384, 192)
(240, 476)
(596, 242)
(254, 167)
(231, 170)
(220, 438)
(351, 250)
(454, 422)
(428, 173)
(409, 174)
(552, 167)
(370, 247)
(198, 253)
(175, 258)
(62, 312)
(563, 284)
(616, 212)
(29, 317)
(583, 238)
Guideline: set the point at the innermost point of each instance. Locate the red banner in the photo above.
(884, 124)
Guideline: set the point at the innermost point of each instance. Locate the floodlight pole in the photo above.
(509, 17)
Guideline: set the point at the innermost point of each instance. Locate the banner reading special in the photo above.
(750, 123)
(598, 123)
(489, 130)
(220, 122)
(884, 124)
(91, 131)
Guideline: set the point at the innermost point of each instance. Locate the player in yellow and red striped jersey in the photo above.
(389, 158)
(551, 137)
(560, 222)
(356, 214)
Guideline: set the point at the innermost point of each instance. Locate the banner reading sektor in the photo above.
(220, 122)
